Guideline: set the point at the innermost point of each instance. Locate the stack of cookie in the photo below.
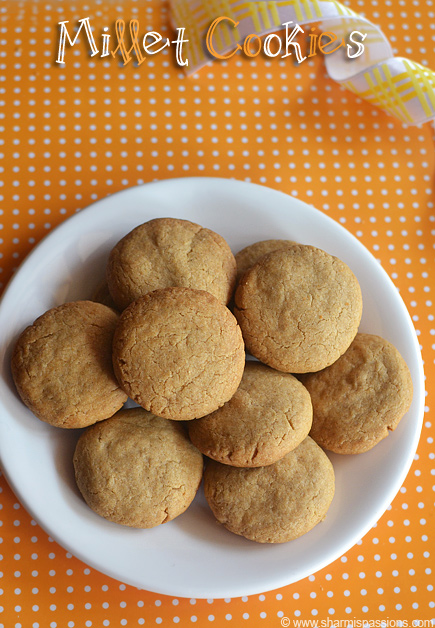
(178, 352)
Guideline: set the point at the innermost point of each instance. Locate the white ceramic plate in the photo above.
(193, 556)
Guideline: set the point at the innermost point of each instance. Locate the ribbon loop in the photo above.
(400, 86)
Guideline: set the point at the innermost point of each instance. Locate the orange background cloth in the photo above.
(73, 134)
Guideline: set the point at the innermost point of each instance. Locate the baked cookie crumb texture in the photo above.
(169, 252)
(272, 504)
(298, 308)
(137, 469)
(178, 353)
(361, 397)
(268, 416)
(248, 256)
(62, 365)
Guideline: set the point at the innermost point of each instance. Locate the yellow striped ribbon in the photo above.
(402, 87)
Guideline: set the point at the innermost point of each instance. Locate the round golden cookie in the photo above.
(168, 252)
(248, 256)
(269, 415)
(136, 469)
(62, 365)
(178, 353)
(299, 309)
(362, 396)
(272, 504)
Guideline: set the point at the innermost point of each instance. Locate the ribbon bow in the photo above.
(400, 86)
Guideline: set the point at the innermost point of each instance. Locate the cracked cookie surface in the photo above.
(178, 353)
(169, 252)
(299, 309)
(62, 365)
(248, 256)
(272, 504)
(361, 397)
(137, 469)
(269, 415)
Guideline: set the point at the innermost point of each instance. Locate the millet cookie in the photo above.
(248, 256)
(299, 309)
(62, 365)
(269, 415)
(362, 396)
(168, 252)
(136, 469)
(178, 353)
(272, 504)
